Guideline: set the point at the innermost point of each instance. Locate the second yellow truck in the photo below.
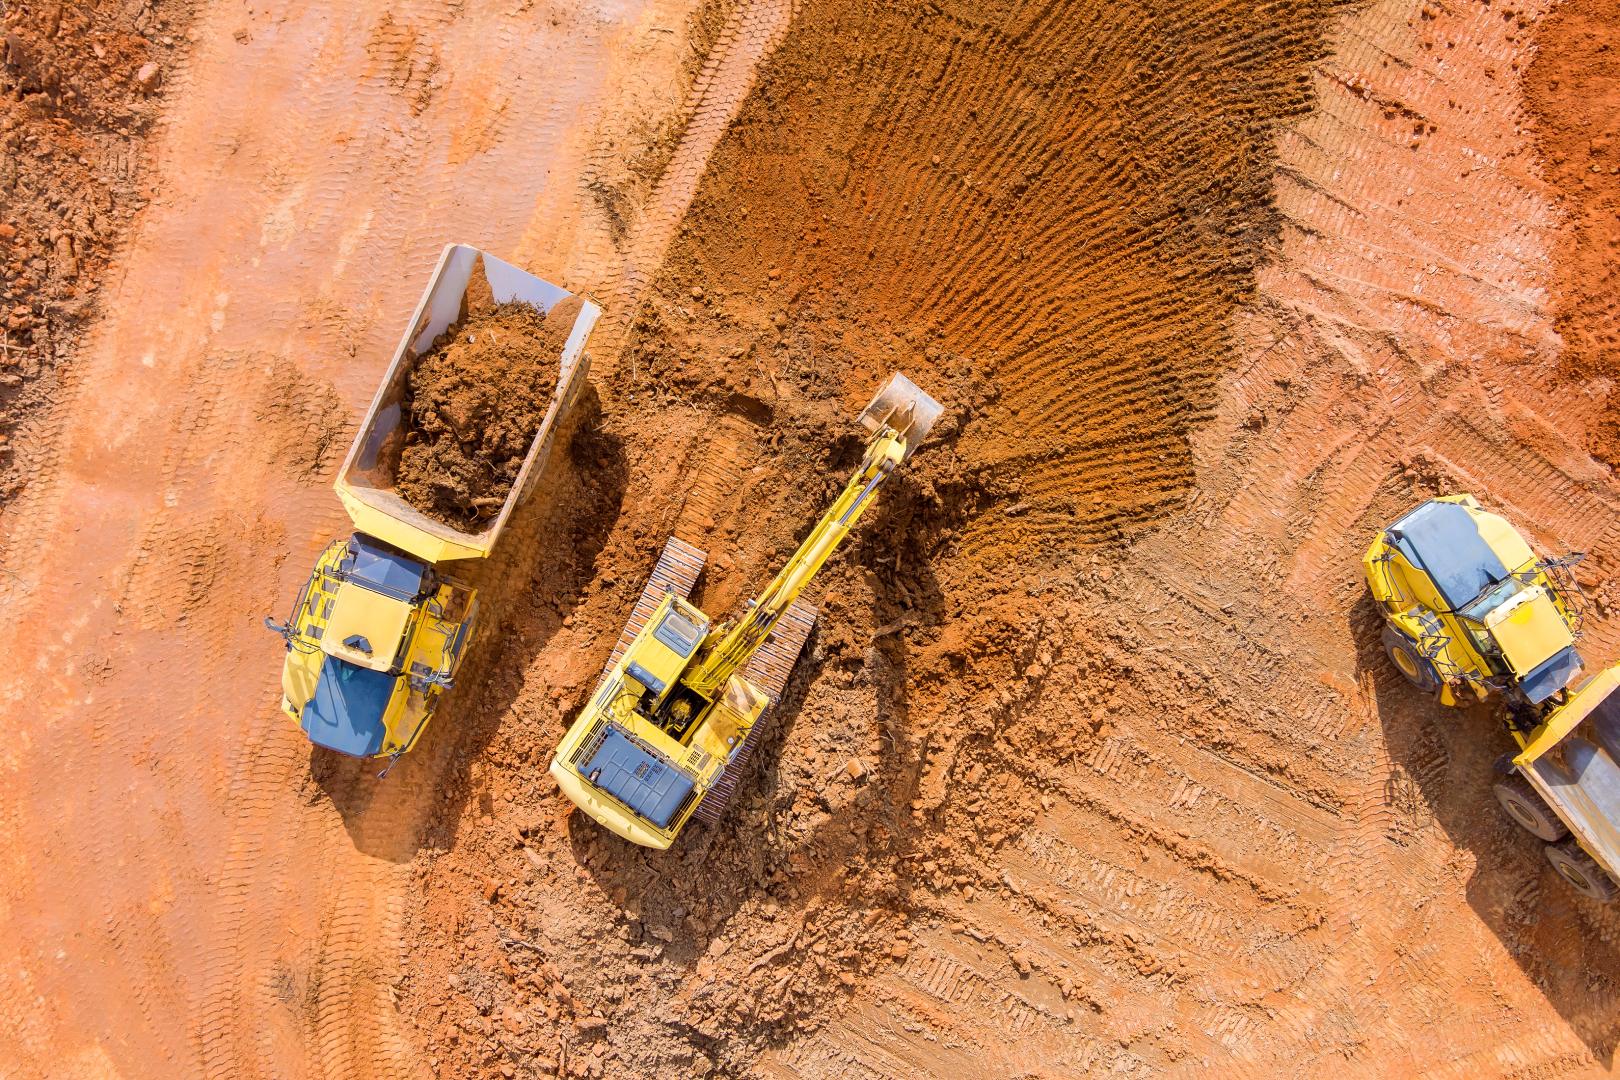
(1472, 612)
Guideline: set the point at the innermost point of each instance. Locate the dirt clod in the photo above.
(149, 78)
(474, 403)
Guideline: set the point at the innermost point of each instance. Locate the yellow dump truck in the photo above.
(381, 627)
(1471, 612)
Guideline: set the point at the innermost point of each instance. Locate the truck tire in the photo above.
(1581, 872)
(1527, 809)
(1403, 653)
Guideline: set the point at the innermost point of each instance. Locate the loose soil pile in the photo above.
(473, 405)
(80, 87)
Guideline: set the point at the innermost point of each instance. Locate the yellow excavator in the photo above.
(672, 726)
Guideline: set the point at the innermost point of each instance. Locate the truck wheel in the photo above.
(1581, 872)
(1525, 807)
(1417, 668)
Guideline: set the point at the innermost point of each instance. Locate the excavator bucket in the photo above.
(906, 408)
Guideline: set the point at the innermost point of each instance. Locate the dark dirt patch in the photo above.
(952, 187)
(474, 404)
(1573, 90)
(81, 85)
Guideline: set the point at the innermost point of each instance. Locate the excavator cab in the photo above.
(675, 718)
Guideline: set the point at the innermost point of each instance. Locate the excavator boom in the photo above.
(670, 728)
(732, 648)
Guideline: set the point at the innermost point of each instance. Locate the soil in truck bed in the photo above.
(473, 404)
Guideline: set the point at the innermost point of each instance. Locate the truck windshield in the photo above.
(1491, 598)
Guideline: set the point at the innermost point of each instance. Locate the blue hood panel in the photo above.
(346, 713)
(1551, 675)
(644, 782)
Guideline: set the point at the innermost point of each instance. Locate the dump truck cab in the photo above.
(374, 639)
(1469, 607)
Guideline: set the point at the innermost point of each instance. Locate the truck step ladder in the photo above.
(769, 669)
(677, 570)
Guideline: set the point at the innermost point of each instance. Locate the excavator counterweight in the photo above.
(677, 713)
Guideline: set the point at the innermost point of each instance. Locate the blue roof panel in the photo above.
(346, 713)
(637, 777)
(1441, 539)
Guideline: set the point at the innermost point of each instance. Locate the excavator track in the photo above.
(770, 669)
(676, 571)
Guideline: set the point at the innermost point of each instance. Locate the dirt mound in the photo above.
(1573, 90)
(473, 405)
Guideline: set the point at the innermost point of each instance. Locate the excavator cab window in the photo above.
(679, 632)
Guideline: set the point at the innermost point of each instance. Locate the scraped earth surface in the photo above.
(1093, 764)
(473, 404)
(81, 90)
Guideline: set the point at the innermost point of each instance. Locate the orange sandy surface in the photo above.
(1210, 291)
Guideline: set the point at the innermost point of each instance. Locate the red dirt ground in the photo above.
(74, 122)
(1210, 291)
(1573, 91)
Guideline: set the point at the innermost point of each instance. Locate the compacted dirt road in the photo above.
(1093, 765)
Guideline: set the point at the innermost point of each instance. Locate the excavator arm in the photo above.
(729, 649)
(898, 418)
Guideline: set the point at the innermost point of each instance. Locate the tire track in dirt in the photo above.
(1126, 218)
(1396, 346)
(255, 933)
(1397, 355)
(752, 31)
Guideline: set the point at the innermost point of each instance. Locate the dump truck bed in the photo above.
(1573, 762)
(366, 481)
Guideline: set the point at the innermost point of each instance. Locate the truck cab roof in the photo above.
(1458, 550)
(372, 608)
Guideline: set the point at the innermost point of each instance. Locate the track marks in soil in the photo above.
(1074, 212)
